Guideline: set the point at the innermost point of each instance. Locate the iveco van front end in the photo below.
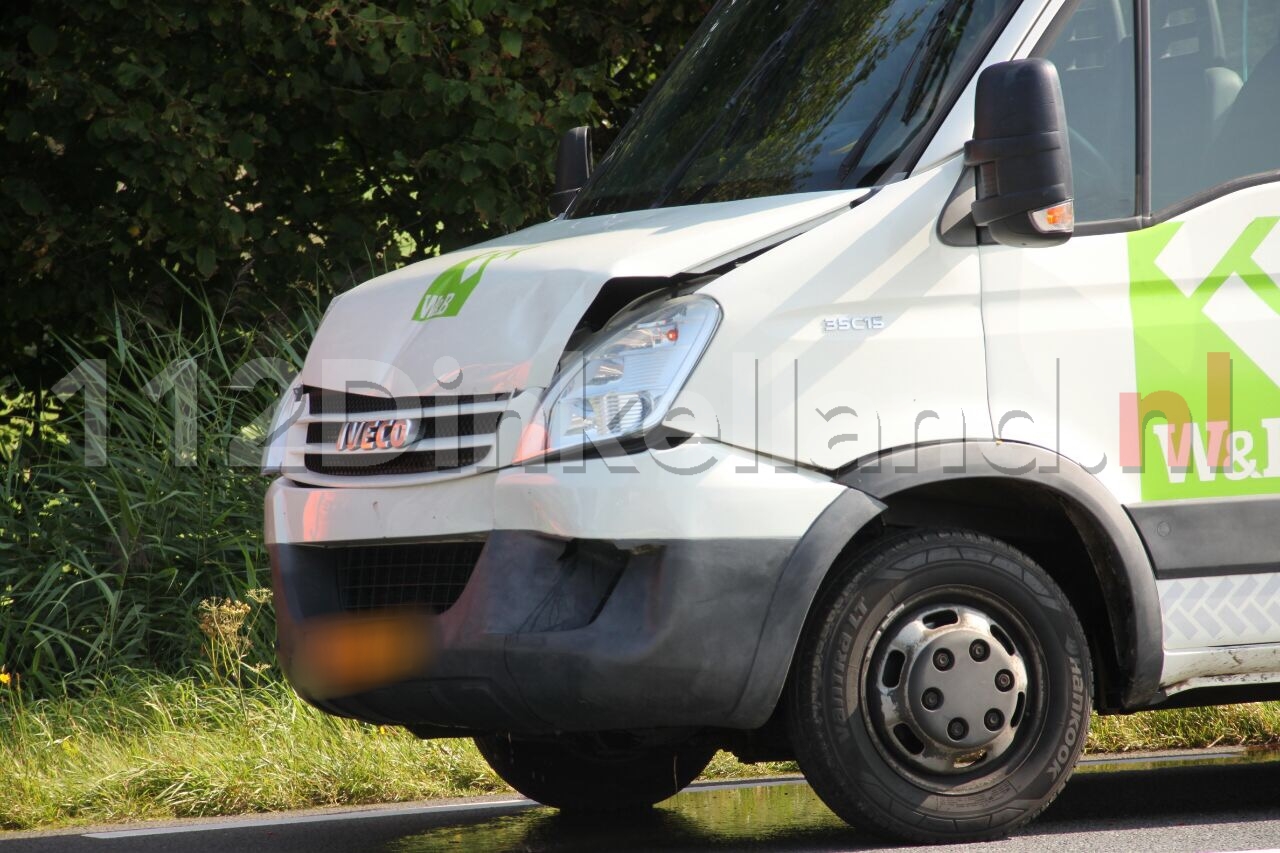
(709, 460)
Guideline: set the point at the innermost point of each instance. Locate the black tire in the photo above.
(873, 652)
(594, 773)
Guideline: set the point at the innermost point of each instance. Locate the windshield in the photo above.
(788, 96)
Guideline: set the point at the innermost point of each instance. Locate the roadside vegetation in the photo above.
(1256, 725)
(132, 500)
(141, 746)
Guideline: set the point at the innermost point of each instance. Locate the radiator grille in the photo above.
(322, 402)
(429, 575)
(448, 433)
(409, 462)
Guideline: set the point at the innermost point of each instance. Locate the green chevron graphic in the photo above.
(1226, 439)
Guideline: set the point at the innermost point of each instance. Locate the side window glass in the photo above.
(1215, 94)
(1095, 55)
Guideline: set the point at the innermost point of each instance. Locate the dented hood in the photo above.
(495, 318)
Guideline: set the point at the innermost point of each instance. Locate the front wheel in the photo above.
(594, 773)
(942, 689)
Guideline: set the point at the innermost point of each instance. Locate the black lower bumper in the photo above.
(549, 635)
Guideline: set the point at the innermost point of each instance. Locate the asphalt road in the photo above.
(1216, 805)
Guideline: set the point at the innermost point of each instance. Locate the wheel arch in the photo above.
(1043, 503)
(973, 485)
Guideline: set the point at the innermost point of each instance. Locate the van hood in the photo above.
(495, 318)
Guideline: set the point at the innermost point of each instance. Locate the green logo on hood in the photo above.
(450, 290)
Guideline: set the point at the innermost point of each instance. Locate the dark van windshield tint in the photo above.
(789, 96)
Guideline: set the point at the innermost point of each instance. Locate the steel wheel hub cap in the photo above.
(951, 689)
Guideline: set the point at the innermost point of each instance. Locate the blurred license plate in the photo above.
(343, 654)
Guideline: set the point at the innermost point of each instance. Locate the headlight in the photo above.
(287, 411)
(624, 382)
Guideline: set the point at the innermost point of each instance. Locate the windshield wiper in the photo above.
(736, 102)
(931, 42)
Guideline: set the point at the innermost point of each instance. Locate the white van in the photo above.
(902, 385)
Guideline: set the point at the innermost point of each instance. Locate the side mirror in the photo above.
(573, 167)
(1019, 148)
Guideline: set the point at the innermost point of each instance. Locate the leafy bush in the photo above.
(109, 544)
(243, 144)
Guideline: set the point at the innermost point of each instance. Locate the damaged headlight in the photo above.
(624, 381)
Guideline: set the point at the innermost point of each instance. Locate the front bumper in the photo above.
(663, 589)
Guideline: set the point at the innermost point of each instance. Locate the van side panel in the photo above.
(864, 333)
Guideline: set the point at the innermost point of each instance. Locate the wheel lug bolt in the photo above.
(1004, 680)
(979, 651)
(932, 699)
(957, 729)
(943, 659)
(993, 720)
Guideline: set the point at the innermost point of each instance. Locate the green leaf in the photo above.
(27, 194)
(42, 39)
(19, 126)
(512, 42)
(352, 72)
(206, 261)
(129, 73)
(241, 146)
(409, 40)
(235, 227)
(390, 105)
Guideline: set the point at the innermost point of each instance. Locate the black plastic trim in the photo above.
(552, 635)
(1110, 226)
(956, 226)
(1136, 620)
(1211, 537)
(1231, 694)
(793, 597)
(1142, 77)
(1212, 194)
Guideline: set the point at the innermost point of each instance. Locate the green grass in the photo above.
(1255, 725)
(146, 748)
(150, 747)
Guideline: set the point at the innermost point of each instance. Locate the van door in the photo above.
(1147, 348)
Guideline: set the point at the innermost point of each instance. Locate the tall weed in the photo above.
(117, 520)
